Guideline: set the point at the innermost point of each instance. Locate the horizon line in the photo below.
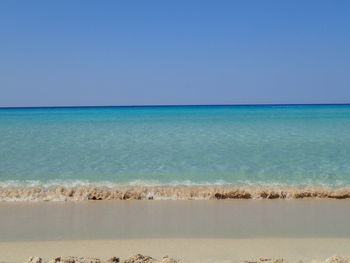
(173, 105)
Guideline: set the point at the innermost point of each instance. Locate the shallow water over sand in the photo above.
(202, 145)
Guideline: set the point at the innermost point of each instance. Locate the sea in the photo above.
(236, 145)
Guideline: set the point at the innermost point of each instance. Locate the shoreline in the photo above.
(214, 192)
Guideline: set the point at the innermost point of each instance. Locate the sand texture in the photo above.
(52, 221)
(202, 231)
(170, 193)
(184, 250)
(139, 258)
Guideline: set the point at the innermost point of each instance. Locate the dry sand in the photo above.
(184, 249)
(193, 231)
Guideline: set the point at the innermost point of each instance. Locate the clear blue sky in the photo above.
(56, 53)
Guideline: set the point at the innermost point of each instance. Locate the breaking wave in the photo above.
(77, 190)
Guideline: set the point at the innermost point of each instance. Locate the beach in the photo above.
(196, 183)
(191, 231)
(207, 250)
(175, 131)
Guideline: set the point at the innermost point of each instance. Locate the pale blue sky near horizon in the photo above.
(86, 53)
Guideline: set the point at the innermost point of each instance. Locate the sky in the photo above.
(86, 53)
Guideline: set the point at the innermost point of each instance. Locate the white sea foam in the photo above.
(154, 183)
(75, 190)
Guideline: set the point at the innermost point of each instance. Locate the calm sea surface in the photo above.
(286, 145)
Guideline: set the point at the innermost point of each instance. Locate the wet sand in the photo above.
(193, 231)
(206, 192)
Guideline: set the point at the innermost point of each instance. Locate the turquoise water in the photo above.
(288, 145)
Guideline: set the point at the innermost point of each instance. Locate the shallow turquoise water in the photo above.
(297, 145)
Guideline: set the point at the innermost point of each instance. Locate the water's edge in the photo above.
(80, 193)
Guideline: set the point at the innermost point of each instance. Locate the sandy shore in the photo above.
(200, 231)
(217, 192)
(184, 249)
(174, 219)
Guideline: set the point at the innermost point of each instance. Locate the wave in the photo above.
(140, 182)
(57, 190)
